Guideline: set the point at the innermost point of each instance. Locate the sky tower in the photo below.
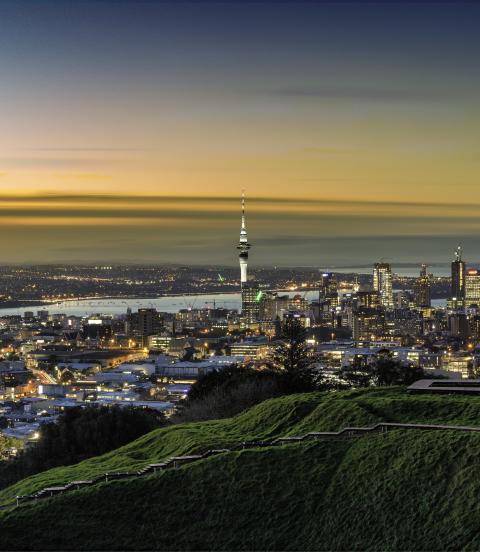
(243, 246)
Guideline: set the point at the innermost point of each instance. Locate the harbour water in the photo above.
(88, 307)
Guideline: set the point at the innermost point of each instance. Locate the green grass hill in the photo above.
(403, 490)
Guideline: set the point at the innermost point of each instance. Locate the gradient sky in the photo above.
(353, 127)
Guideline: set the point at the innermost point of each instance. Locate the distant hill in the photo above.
(403, 490)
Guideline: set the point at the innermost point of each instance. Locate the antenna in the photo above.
(458, 252)
(243, 208)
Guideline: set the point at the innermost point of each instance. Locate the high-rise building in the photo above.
(382, 283)
(273, 306)
(368, 299)
(328, 285)
(422, 289)
(458, 278)
(97, 329)
(251, 300)
(403, 322)
(368, 324)
(243, 247)
(472, 287)
(140, 325)
(402, 299)
(328, 294)
(42, 315)
(458, 325)
(299, 303)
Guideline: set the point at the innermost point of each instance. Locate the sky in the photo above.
(129, 129)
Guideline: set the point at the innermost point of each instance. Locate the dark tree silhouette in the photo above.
(293, 358)
(226, 378)
(81, 433)
(385, 371)
(389, 371)
(357, 375)
(224, 393)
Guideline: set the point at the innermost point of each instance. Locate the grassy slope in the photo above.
(292, 415)
(401, 490)
(389, 492)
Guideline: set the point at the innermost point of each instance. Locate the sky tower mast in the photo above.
(243, 246)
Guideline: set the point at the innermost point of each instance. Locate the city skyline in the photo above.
(352, 128)
(239, 275)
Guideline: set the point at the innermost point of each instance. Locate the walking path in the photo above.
(177, 461)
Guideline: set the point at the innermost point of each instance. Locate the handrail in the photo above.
(177, 461)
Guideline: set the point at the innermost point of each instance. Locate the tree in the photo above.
(293, 358)
(226, 379)
(227, 392)
(81, 433)
(356, 376)
(389, 371)
(224, 402)
(385, 371)
(8, 447)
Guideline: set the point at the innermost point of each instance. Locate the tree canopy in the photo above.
(81, 433)
(385, 371)
(292, 357)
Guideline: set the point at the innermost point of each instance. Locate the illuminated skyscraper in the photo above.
(382, 283)
(458, 278)
(328, 286)
(369, 299)
(252, 297)
(243, 247)
(368, 324)
(422, 288)
(472, 287)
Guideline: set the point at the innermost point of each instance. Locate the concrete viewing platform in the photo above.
(447, 386)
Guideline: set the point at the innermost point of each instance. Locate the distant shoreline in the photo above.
(31, 303)
(40, 303)
(22, 303)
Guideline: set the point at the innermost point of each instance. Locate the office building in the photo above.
(368, 324)
(422, 289)
(382, 283)
(458, 325)
(252, 297)
(369, 299)
(458, 279)
(142, 324)
(402, 299)
(472, 287)
(328, 287)
(273, 306)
